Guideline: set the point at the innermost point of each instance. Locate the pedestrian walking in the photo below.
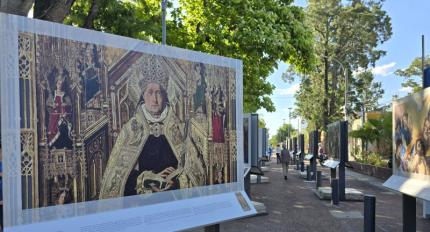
(285, 160)
(270, 152)
(278, 154)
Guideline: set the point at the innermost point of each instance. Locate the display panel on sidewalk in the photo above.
(108, 123)
(411, 145)
(333, 140)
(247, 140)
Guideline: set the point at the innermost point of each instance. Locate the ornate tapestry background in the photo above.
(96, 104)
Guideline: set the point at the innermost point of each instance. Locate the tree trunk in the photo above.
(326, 67)
(52, 10)
(326, 94)
(334, 90)
(89, 20)
(18, 7)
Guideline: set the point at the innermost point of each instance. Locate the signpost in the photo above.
(301, 151)
(87, 111)
(247, 152)
(315, 139)
(337, 149)
(313, 153)
(295, 149)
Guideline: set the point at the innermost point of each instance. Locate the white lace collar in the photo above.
(151, 118)
(60, 94)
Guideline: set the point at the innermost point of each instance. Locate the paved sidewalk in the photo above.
(292, 206)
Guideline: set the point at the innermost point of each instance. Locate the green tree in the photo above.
(261, 122)
(413, 74)
(366, 94)
(347, 37)
(259, 32)
(285, 131)
(378, 131)
(273, 141)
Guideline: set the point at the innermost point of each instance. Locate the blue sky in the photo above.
(409, 20)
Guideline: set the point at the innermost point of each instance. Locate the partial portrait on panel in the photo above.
(332, 140)
(411, 135)
(101, 122)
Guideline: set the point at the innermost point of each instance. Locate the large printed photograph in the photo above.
(411, 129)
(311, 143)
(332, 140)
(100, 122)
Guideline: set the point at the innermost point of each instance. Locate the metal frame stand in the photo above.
(409, 213)
(369, 213)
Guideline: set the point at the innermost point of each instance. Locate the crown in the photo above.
(151, 71)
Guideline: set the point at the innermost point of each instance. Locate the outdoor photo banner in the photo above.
(333, 140)
(247, 140)
(295, 144)
(101, 130)
(411, 145)
(311, 143)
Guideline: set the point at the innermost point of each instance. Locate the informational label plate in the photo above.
(309, 156)
(409, 186)
(173, 216)
(331, 163)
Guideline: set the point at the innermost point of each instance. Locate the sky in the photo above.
(409, 20)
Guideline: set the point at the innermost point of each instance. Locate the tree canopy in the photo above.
(259, 32)
(284, 132)
(346, 39)
(413, 74)
(366, 94)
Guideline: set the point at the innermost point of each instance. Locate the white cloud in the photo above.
(406, 89)
(383, 70)
(289, 91)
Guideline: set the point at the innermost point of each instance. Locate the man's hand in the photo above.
(166, 172)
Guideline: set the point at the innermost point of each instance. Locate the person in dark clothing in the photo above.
(285, 160)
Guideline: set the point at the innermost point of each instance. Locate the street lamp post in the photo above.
(289, 122)
(163, 21)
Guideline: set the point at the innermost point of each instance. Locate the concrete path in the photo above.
(292, 206)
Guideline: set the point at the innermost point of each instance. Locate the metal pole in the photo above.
(289, 122)
(247, 184)
(426, 84)
(163, 21)
(332, 173)
(422, 57)
(409, 213)
(369, 213)
(343, 158)
(315, 135)
(308, 172)
(346, 93)
(335, 191)
(318, 179)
